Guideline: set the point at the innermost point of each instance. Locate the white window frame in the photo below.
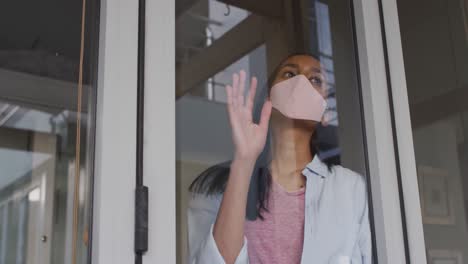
(115, 147)
(115, 154)
(404, 133)
(380, 144)
(160, 131)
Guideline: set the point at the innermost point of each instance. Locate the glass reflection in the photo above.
(261, 44)
(42, 221)
(437, 86)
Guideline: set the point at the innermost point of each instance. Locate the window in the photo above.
(216, 40)
(47, 108)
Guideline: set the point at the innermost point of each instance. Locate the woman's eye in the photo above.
(316, 80)
(288, 74)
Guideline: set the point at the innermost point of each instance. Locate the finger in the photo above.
(235, 92)
(240, 101)
(251, 96)
(241, 88)
(229, 97)
(229, 102)
(265, 115)
(235, 80)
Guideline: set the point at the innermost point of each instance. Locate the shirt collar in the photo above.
(317, 167)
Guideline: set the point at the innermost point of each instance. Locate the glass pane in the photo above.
(435, 50)
(47, 108)
(294, 186)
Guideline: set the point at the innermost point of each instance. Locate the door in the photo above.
(26, 210)
(192, 50)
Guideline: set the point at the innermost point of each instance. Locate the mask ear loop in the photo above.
(325, 117)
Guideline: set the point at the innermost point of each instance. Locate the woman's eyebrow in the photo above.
(292, 65)
(317, 70)
(295, 66)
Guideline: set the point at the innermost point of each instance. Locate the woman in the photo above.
(307, 210)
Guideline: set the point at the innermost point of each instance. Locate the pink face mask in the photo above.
(296, 98)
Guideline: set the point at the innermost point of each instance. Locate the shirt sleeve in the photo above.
(363, 249)
(202, 247)
(365, 241)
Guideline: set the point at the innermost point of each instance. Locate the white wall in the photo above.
(436, 146)
(203, 138)
(186, 172)
(203, 134)
(434, 45)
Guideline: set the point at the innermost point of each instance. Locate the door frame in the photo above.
(403, 132)
(115, 143)
(384, 188)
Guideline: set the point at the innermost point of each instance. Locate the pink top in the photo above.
(279, 237)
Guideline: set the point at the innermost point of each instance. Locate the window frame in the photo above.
(404, 133)
(115, 140)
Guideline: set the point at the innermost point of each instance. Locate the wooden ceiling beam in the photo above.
(229, 48)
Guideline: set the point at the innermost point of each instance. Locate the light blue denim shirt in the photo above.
(336, 229)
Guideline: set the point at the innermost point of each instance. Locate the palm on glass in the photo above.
(249, 138)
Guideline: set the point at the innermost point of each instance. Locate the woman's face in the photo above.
(312, 70)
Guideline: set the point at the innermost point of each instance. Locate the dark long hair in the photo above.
(213, 180)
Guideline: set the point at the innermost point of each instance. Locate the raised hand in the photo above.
(249, 138)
